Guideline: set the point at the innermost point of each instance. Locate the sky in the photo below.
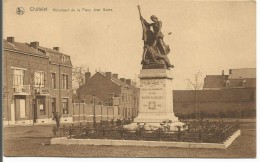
(207, 36)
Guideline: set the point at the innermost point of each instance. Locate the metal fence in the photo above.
(113, 130)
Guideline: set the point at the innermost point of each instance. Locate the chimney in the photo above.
(56, 48)
(34, 44)
(10, 39)
(108, 75)
(122, 79)
(115, 76)
(128, 81)
(87, 76)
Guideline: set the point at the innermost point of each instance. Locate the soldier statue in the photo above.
(155, 50)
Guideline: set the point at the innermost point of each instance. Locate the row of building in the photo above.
(37, 81)
(231, 95)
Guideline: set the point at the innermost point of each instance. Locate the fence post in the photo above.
(86, 131)
(84, 111)
(79, 128)
(54, 131)
(70, 131)
(107, 113)
(64, 130)
(73, 111)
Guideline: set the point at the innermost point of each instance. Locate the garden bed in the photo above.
(194, 131)
(111, 142)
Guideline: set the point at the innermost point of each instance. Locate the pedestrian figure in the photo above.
(56, 117)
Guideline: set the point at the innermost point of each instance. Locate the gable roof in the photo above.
(23, 47)
(242, 73)
(56, 56)
(117, 81)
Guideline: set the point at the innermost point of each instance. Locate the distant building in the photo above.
(212, 103)
(232, 95)
(111, 91)
(37, 81)
(237, 78)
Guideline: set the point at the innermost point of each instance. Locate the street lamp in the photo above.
(94, 110)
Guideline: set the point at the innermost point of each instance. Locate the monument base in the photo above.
(156, 102)
(153, 126)
(155, 117)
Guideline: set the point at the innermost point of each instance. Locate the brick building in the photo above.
(37, 81)
(112, 91)
(237, 78)
(232, 95)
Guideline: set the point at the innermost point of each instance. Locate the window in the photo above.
(65, 81)
(65, 106)
(39, 79)
(18, 77)
(41, 104)
(53, 80)
(63, 59)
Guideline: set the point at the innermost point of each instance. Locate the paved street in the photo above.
(35, 141)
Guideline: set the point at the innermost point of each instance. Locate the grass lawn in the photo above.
(35, 141)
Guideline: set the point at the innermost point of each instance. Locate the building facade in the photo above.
(37, 82)
(237, 78)
(111, 91)
(232, 95)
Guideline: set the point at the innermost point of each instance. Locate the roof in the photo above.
(238, 78)
(215, 81)
(56, 56)
(23, 47)
(242, 73)
(115, 80)
(214, 95)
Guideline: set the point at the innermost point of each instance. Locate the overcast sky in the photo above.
(207, 36)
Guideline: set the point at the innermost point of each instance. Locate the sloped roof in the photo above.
(215, 81)
(214, 95)
(23, 47)
(117, 81)
(56, 56)
(242, 73)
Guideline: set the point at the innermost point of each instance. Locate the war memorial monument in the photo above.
(156, 104)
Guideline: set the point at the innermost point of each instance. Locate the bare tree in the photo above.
(195, 85)
(78, 75)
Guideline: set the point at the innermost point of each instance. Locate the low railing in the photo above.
(103, 131)
(19, 89)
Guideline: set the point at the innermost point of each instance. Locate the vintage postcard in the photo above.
(129, 78)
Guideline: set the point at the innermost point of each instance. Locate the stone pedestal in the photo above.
(156, 102)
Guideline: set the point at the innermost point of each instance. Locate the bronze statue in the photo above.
(155, 50)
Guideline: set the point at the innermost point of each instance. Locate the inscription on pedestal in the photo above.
(152, 95)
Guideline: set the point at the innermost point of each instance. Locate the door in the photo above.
(19, 104)
(22, 108)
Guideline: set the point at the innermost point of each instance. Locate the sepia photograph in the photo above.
(129, 79)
